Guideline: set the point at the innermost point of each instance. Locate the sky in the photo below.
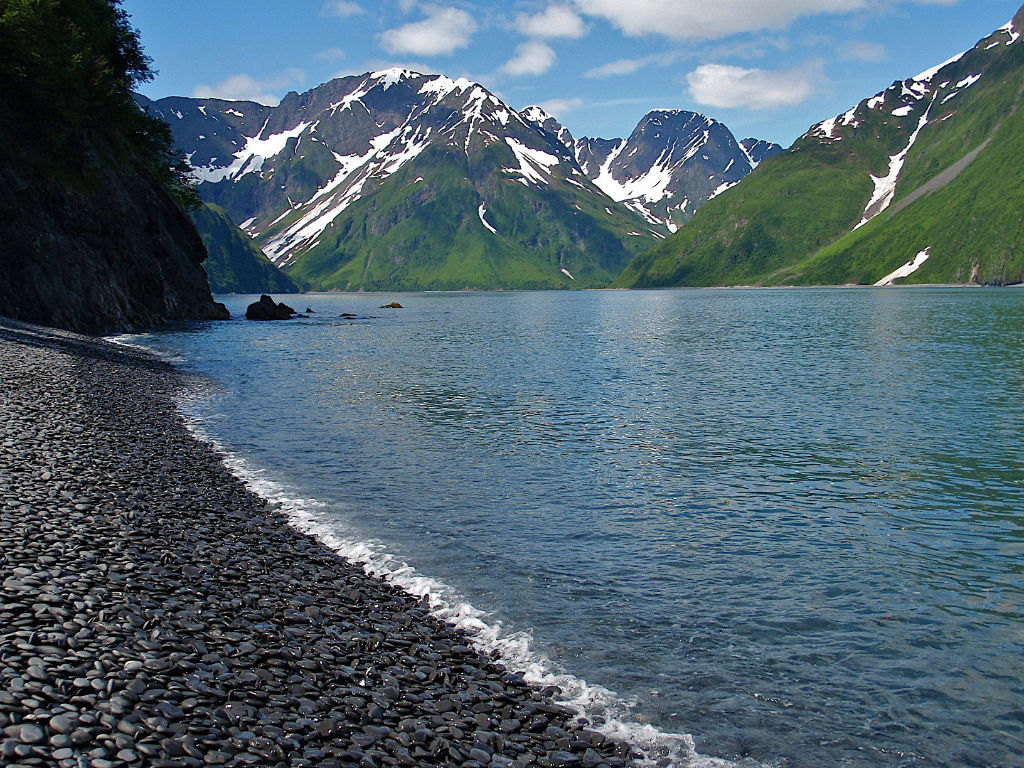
(766, 68)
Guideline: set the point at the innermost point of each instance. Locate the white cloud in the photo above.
(703, 20)
(331, 54)
(629, 66)
(249, 88)
(341, 8)
(532, 58)
(728, 87)
(561, 107)
(556, 21)
(862, 50)
(444, 31)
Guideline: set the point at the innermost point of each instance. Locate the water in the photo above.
(788, 522)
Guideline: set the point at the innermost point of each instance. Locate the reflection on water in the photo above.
(788, 522)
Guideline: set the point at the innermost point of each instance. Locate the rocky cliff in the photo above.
(108, 252)
(91, 237)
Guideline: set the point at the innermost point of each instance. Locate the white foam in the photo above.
(606, 712)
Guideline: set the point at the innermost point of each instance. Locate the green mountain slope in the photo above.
(446, 222)
(235, 264)
(397, 180)
(949, 141)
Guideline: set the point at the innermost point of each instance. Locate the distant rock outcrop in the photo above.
(267, 309)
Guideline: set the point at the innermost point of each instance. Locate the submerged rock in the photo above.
(267, 309)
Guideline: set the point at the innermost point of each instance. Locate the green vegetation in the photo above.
(973, 227)
(792, 221)
(235, 264)
(71, 65)
(406, 235)
(793, 204)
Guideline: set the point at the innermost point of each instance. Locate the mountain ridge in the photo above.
(894, 181)
(323, 184)
(673, 162)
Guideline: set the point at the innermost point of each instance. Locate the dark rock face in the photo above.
(759, 150)
(267, 309)
(109, 251)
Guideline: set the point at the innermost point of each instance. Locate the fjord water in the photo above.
(788, 522)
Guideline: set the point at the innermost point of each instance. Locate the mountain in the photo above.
(919, 183)
(672, 163)
(94, 235)
(234, 263)
(397, 180)
(759, 150)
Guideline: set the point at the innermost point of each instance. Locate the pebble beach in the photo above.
(155, 612)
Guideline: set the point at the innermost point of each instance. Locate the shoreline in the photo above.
(157, 612)
(744, 287)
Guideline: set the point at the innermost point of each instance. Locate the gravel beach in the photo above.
(155, 612)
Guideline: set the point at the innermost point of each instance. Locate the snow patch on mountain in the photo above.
(928, 74)
(721, 188)
(1009, 29)
(907, 269)
(885, 186)
(650, 186)
(442, 87)
(826, 129)
(393, 76)
(250, 158)
(534, 165)
(482, 213)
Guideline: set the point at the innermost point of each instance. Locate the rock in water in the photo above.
(267, 309)
(392, 305)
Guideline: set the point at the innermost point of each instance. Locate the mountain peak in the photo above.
(536, 114)
(389, 77)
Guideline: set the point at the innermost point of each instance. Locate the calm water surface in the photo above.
(789, 522)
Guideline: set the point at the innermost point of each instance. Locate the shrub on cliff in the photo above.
(70, 67)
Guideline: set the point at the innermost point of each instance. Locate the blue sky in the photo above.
(767, 68)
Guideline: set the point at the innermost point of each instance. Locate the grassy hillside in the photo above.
(793, 220)
(406, 237)
(235, 264)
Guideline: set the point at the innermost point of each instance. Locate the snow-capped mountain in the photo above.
(917, 183)
(334, 184)
(672, 163)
